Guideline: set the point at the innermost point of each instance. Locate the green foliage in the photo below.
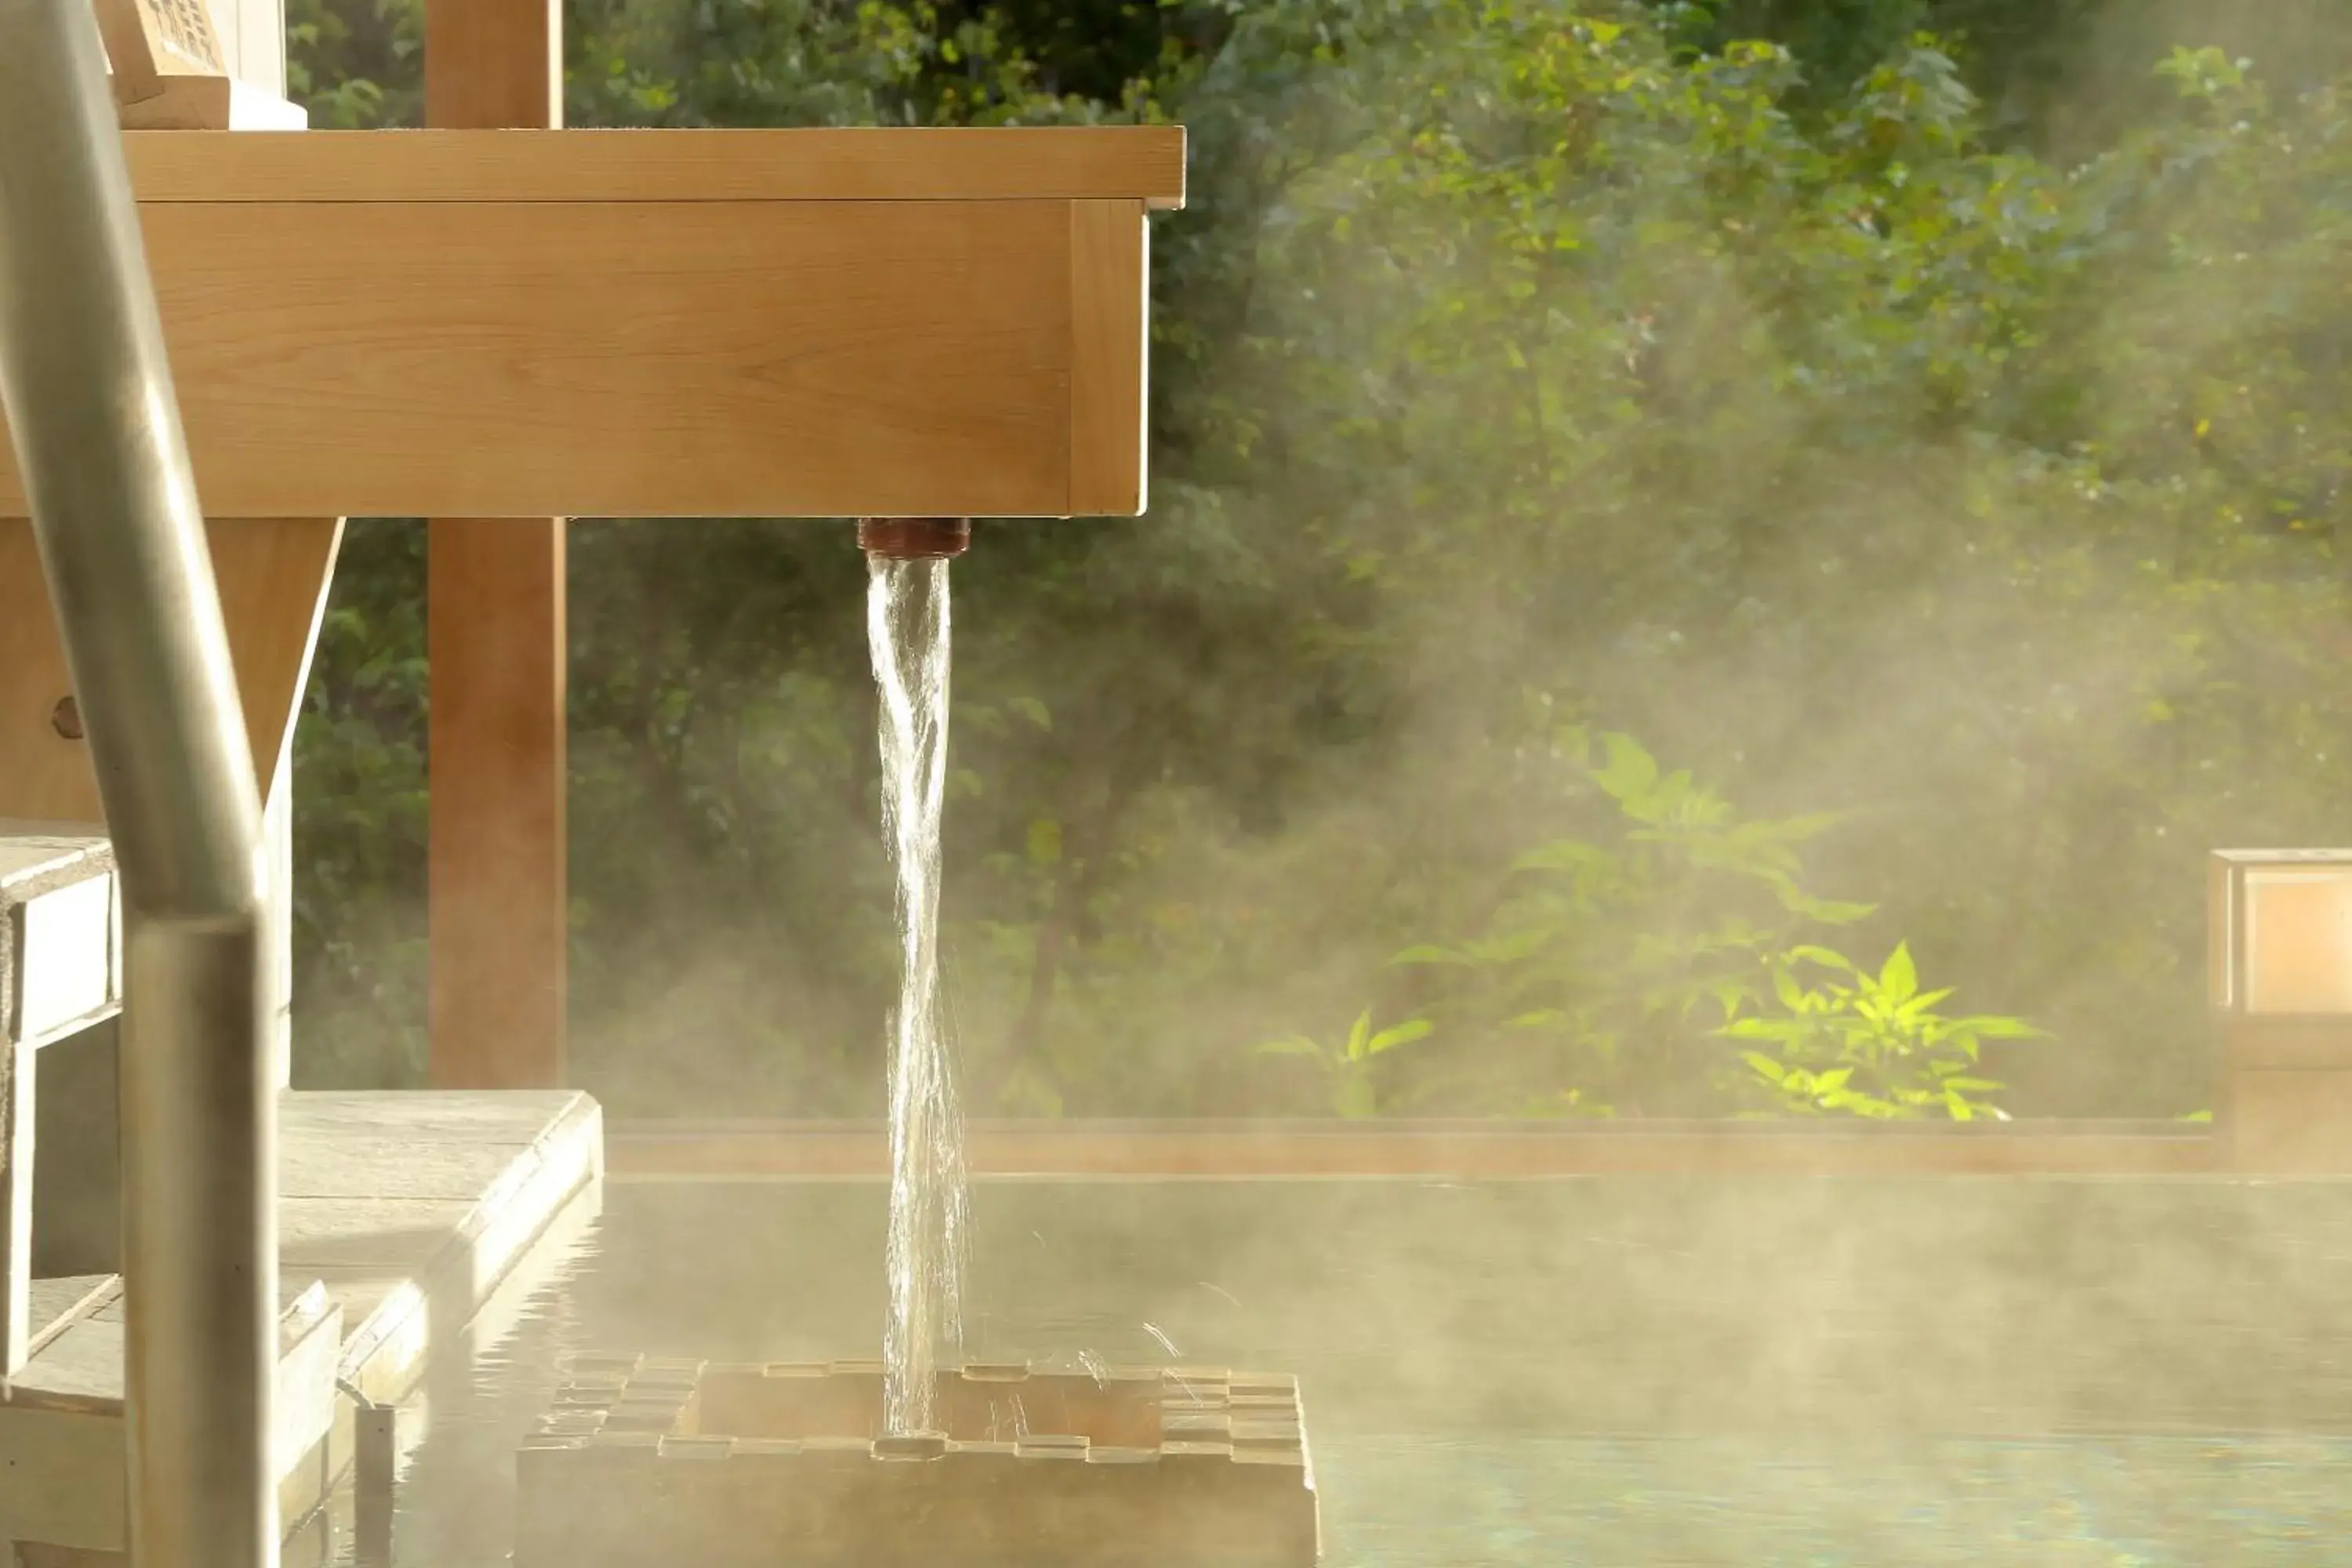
(1355, 1090)
(1870, 1045)
(1770, 381)
(1615, 965)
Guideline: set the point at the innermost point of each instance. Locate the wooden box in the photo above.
(644, 1462)
(656, 323)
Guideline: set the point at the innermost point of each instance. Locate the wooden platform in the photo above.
(60, 971)
(400, 1215)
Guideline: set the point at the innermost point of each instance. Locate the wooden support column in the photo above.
(495, 638)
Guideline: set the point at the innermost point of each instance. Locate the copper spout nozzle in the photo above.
(914, 538)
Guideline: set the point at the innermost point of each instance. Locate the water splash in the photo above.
(906, 624)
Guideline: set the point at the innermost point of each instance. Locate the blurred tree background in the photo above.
(1676, 529)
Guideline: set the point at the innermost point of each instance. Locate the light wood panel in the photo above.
(1109, 325)
(273, 576)
(1143, 163)
(760, 359)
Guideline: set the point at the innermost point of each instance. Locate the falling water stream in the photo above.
(907, 624)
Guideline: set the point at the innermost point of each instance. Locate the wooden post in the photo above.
(495, 639)
(2279, 962)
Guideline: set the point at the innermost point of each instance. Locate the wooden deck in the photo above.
(400, 1215)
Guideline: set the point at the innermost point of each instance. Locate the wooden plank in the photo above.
(130, 56)
(498, 856)
(210, 103)
(320, 1119)
(62, 1475)
(16, 1120)
(493, 63)
(60, 959)
(1109, 350)
(371, 1325)
(72, 1392)
(1143, 163)
(764, 359)
(753, 359)
(655, 1150)
(273, 576)
(63, 960)
(59, 1304)
(499, 894)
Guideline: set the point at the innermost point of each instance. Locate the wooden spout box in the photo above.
(644, 1462)
(656, 323)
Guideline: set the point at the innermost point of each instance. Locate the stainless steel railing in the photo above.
(97, 432)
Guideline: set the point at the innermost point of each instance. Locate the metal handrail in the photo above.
(97, 432)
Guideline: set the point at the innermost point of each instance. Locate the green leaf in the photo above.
(2001, 1028)
(1399, 1035)
(1360, 1034)
(1899, 979)
(1628, 774)
(1294, 1046)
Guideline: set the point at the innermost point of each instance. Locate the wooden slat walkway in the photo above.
(400, 1215)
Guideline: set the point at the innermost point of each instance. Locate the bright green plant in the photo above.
(1870, 1045)
(1610, 954)
(1349, 1067)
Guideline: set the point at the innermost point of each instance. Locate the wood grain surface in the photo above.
(730, 359)
(273, 576)
(1110, 356)
(1143, 163)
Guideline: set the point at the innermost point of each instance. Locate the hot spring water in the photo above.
(906, 624)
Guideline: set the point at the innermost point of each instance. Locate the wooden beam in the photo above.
(760, 359)
(1112, 162)
(273, 576)
(647, 1150)
(1109, 328)
(493, 64)
(497, 645)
